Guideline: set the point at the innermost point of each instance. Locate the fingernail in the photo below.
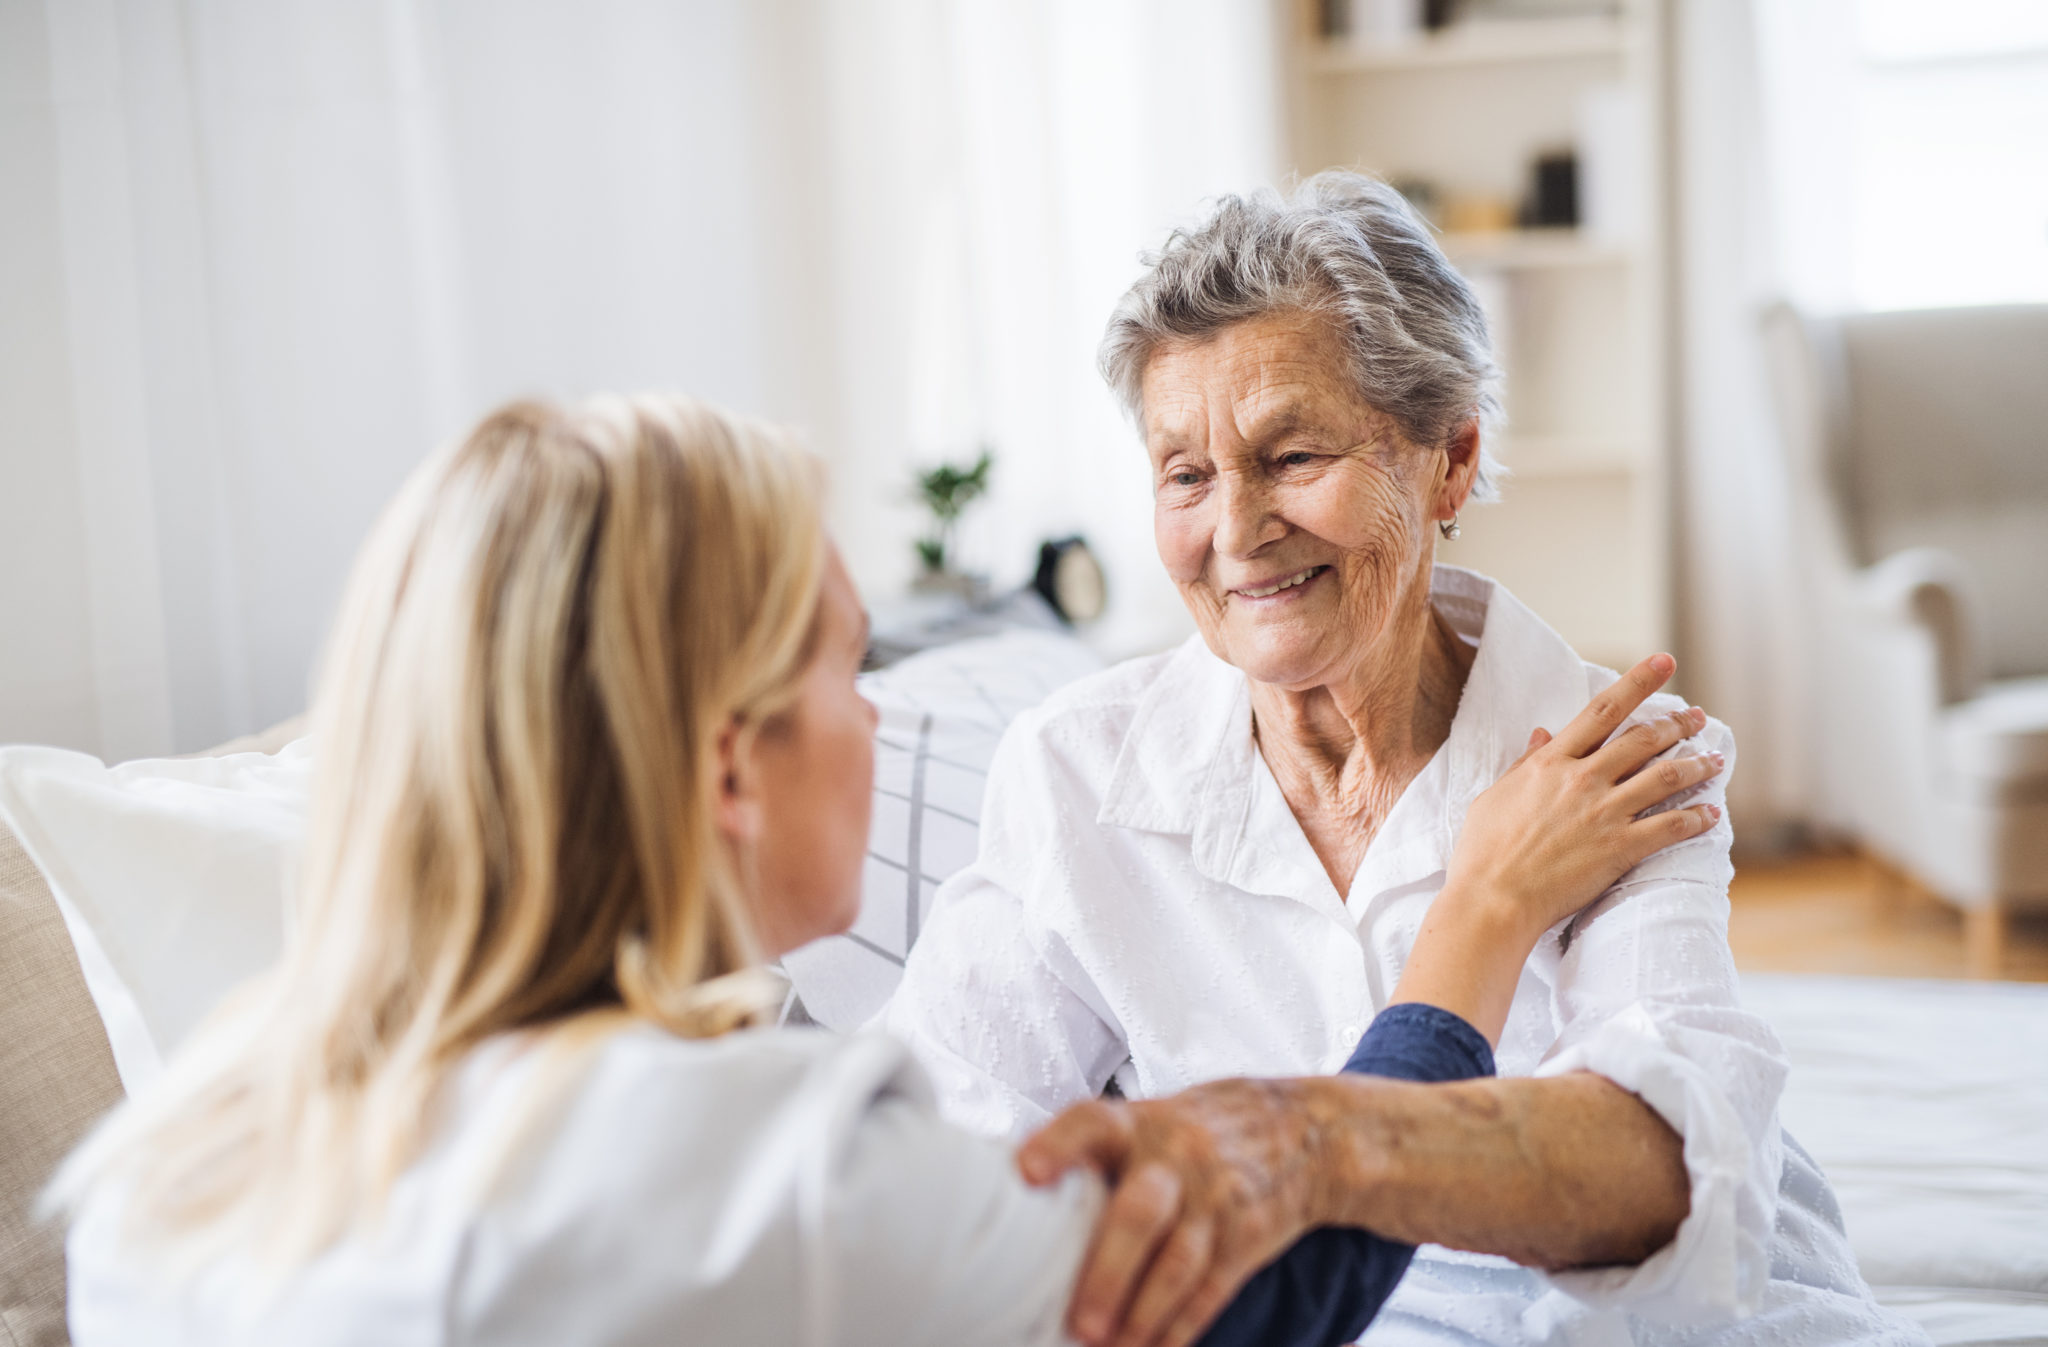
(1717, 760)
(1663, 663)
(1714, 812)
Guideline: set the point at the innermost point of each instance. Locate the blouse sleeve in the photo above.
(1647, 997)
(995, 1007)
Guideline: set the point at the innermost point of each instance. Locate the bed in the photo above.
(1927, 1104)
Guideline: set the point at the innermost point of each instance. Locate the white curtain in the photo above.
(258, 256)
(1740, 607)
(999, 169)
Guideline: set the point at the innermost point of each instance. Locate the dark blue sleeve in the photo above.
(1327, 1288)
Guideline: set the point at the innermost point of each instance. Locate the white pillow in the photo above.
(942, 713)
(171, 875)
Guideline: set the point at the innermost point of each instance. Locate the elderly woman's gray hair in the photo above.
(1341, 245)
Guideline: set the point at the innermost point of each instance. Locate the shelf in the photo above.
(1529, 249)
(1478, 42)
(1535, 458)
(1583, 531)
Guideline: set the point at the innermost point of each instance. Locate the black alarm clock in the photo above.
(1071, 580)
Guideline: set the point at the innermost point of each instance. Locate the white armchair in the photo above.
(1918, 449)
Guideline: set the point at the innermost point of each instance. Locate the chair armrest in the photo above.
(1928, 587)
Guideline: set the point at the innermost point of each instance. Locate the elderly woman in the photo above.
(1217, 861)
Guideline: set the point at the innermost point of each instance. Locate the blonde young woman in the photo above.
(590, 751)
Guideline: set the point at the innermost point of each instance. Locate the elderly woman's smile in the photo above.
(1293, 516)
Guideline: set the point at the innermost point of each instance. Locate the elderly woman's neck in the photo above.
(1350, 748)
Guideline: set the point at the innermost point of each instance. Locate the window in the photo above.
(1951, 153)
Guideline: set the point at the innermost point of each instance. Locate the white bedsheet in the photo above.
(1927, 1105)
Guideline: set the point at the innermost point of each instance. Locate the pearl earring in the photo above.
(1448, 527)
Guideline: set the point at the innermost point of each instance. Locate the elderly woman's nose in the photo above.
(1245, 520)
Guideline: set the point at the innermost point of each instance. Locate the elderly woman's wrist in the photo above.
(1351, 1161)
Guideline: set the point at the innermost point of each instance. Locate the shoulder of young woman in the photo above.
(715, 1178)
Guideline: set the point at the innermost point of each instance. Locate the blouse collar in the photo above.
(1190, 766)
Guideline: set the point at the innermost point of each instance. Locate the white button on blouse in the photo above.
(1145, 906)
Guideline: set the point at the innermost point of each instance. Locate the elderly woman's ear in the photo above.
(1461, 470)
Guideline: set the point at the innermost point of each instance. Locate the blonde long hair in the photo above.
(516, 731)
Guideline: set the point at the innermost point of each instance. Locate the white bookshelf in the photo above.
(1530, 249)
(1583, 534)
(1480, 42)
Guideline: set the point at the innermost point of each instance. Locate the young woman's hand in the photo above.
(1560, 826)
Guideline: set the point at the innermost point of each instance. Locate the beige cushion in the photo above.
(56, 1078)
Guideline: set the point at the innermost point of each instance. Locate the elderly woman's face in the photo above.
(1292, 516)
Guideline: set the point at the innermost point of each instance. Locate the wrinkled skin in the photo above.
(1267, 463)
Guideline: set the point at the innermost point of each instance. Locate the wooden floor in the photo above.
(1848, 914)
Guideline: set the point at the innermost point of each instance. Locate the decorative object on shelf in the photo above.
(947, 490)
(1553, 191)
(1071, 580)
(1477, 213)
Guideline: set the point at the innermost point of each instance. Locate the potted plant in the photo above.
(947, 490)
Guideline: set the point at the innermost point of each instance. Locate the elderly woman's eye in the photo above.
(1185, 477)
(1295, 458)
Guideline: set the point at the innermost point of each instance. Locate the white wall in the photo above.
(45, 648)
(259, 256)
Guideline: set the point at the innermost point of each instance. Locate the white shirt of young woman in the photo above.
(1145, 906)
(769, 1186)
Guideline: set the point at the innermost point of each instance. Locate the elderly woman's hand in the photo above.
(1559, 827)
(1209, 1186)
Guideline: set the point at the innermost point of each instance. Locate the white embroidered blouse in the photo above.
(1145, 906)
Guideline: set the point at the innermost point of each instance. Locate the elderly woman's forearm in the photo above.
(1568, 1171)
